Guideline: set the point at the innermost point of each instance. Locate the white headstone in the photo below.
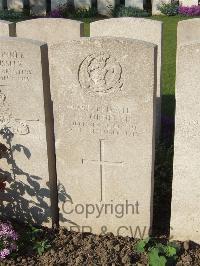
(56, 3)
(134, 3)
(26, 128)
(16, 5)
(104, 129)
(38, 7)
(189, 2)
(185, 215)
(7, 29)
(105, 6)
(82, 4)
(135, 28)
(50, 30)
(188, 31)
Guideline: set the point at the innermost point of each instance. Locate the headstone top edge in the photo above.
(188, 21)
(39, 20)
(109, 38)
(128, 19)
(22, 40)
(6, 22)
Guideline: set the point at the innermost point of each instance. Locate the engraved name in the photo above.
(12, 66)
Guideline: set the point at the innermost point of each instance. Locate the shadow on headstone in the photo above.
(16, 205)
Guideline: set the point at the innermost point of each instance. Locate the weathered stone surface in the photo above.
(50, 30)
(188, 31)
(105, 6)
(38, 7)
(135, 28)
(16, 5)
(185, 215)
(155, 4)
(82, 4)
(134, 3)
(7, 29)
(104, 132)
(26, 128)
(189, 2)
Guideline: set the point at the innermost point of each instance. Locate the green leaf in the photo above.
(140, 247)
(170, 251)
(155, 259)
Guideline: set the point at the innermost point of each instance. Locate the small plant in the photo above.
(169, 9)
(41, 246)
(8, 240)
(123, 11)
(85, 13)
(67, 11)
(33, 237)
(158, 254)
(11, 14)
(189, 10)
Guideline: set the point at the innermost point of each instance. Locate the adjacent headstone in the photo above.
(188, 31)
(155, 4)
(104, 130)
(189, 2)
(7, 28)
(105, 6)
(50, 30)
(134, 3)
(82, 4)
(135, 28)
(38, 7)
(185, 215)
(16, 5)
(26, 128)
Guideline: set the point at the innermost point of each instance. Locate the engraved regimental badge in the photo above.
(100, 74)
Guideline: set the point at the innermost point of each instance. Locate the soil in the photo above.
(72, 248)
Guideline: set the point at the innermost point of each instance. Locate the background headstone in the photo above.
(56, 3)
(82, 4)
(1, 4)
(7, 28)
(134, 3)
(188, 31)
(135, 28)
(26, 128)
(189, 2)
(16, 5)
(104, 129)
(105, 6)
(155, 4)
(38, 7)
(185, 215)
(50, 30)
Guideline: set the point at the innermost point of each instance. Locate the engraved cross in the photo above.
(102, 163)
